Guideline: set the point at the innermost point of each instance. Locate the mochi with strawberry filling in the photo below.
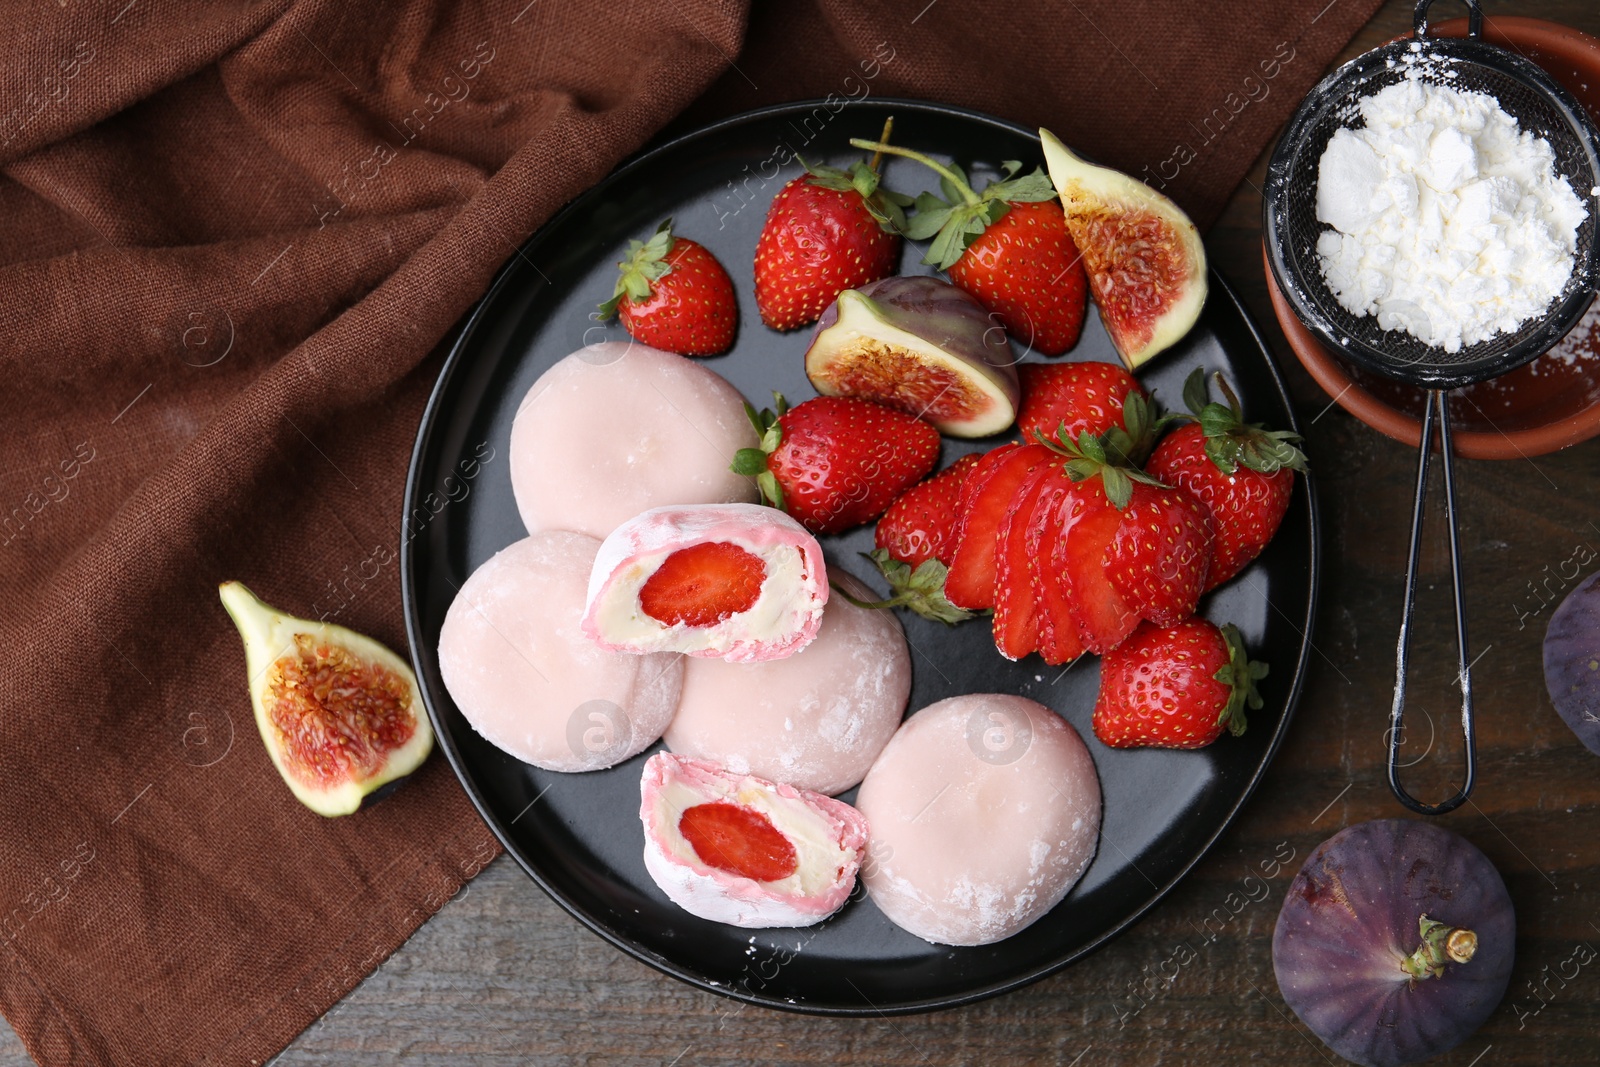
(739, 582)
(738, 849)
(815, 720)
(985, 811)
(619, 427)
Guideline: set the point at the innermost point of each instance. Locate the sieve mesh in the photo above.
(1526, 93)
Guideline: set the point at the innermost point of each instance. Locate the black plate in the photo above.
(579, 836)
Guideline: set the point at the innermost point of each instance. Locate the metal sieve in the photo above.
(1540, 106)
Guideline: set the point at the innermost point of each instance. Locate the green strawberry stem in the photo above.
(752, 462)
(1116, 455)
(955, 178)
(956, 221)
(644, 266)
(886, 206)
(1230, 441)
(1242, 674)
(920, 590)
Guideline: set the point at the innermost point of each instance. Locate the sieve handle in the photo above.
(1474, 18)
(1436, 402)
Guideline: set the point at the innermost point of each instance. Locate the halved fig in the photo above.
(920, 345)
(1147, 267)
(340, 714)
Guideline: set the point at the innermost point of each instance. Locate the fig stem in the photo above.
(1441, 944)
(883, 138)
(943, 171)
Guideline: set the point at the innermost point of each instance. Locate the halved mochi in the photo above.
(620, 427)
(741, 582)
(816, 719)
(985, 811)
(522, 672)
(738, 849)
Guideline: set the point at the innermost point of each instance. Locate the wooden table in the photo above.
(503, 976)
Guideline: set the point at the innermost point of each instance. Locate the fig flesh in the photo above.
(923, 346)
(1395, 941)
(1572, 661)
(1147, 267)
(340, 714)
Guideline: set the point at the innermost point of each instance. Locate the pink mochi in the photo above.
(816, 719)
(985, 811)
(617, 428)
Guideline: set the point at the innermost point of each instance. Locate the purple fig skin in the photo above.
(1572, 661)
(944, 318)
(1351, 916)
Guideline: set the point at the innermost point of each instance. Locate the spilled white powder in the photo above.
(1449, 221)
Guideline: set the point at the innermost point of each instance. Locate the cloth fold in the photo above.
(231, 238)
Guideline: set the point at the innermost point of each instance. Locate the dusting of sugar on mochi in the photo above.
(815, 720)
(971, 849)
(1449, 221)
(516, 663)
(618, 428)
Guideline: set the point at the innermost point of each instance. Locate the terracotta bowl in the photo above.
(1542, 406)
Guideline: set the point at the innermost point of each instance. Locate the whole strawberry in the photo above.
(1176, 687)
(1073, 397)
(1008, 246)
(673, 294)
(834, 462)
(921, 523)
(1244, 474)
(827, 231)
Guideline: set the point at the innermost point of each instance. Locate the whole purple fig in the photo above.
(1395, 941)
(921, 345)
(1572, 661)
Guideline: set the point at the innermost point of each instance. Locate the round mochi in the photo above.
(826, 839)
(985, 811)
(815, 720)
(782, 617)
(518, 665)
(618, 428)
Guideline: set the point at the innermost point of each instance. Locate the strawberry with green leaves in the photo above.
(1008, 246)
(1243, 473)
(827, 231)
(1176, 687)
(673, 294)
(1135, 548)
(834, 462)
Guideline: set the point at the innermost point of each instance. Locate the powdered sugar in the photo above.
(1450, 222)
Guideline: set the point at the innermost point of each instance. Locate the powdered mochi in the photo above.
(518, 665)
(618, 428)
(985, 811)
(815, 720)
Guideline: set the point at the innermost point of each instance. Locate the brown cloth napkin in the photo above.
(230, 237)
